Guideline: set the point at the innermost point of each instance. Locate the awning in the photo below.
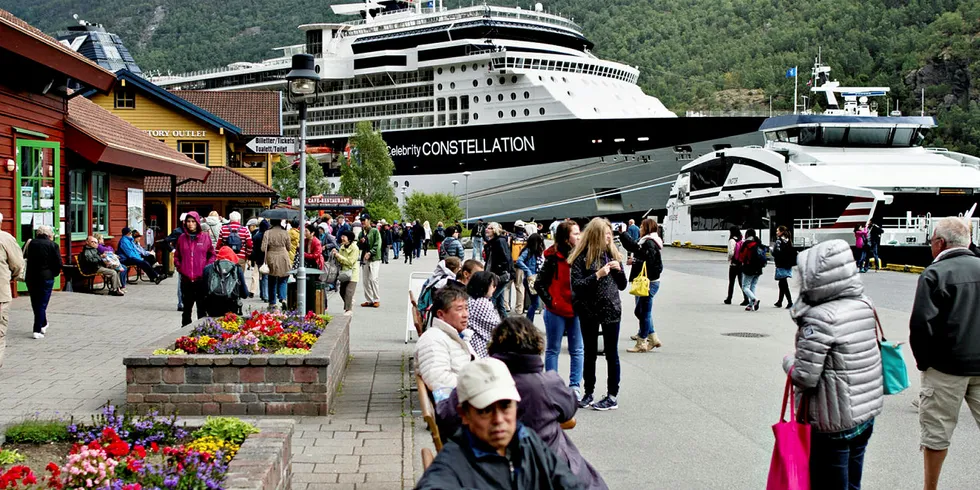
(100, 137)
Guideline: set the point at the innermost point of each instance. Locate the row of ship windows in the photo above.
(346, 129)
(462, 68)
(566, 66)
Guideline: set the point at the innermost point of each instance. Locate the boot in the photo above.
(641, 346)
(653, 341)
(635, 337)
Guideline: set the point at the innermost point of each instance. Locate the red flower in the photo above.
(117, 449)
(140, 451)
(30, 479)
(53, 469)
(132, 486)
(154, 447)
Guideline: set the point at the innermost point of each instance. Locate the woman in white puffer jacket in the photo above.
(837, 364)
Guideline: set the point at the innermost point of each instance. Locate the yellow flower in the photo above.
(308, 338)
(211, 445)
(203, 341)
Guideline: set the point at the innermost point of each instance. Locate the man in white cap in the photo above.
(492, 450)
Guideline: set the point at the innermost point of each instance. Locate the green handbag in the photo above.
(896, 376)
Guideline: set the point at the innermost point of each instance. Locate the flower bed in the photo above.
(245, 378)
(261, 333)
(127, 452)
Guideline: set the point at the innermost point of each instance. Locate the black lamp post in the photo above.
(302, 79)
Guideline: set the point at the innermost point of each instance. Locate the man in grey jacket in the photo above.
(945, 340)
(837, 365)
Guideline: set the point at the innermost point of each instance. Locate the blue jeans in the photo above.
(748, 286)
(277, 289)
(498, 299)
(180, 297)
(862, 262)
(837, 463)
(264, 287)
(40, 296)
(874, 252)
(477, 249)
(644, 311)
(141, 264)
(532, 307)
(397, 247)
(555, 327)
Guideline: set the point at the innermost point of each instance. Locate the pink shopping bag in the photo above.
(790, 465)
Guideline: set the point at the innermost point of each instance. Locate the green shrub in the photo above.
(169, 352)
(227, 429)
(11, 456)
(36, 431)
(289, 351)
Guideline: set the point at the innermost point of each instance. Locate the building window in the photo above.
(100, 203)
(125, 98)
(79, 204)
(195, 150)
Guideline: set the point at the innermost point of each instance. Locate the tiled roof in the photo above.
(256, 112)
(17, 23)
(223, 181)
(112, 132)
(168, 98)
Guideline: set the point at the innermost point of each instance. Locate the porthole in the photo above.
(541, 111)
(475, 66)
(552, 79)
(502, 80)
(452, 69)
(462, 68)
(439, 71)
(489, 81)
(513, 79)
(476, 116)
(452, 85)
(406, 184)
(500, 97)
(527, 112)
(595, 109)
(527, 95)
(439, 87)
(513, 96)
(395, 183)
(500, 114)
(513, 113)
(563, 79)
(540, 78)
(489, 99)
(476, 99)
(476, 84)
(569, 93)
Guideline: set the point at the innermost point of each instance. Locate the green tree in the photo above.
(433, 208)
(368, 175)
(285, 178)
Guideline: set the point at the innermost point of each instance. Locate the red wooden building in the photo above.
(65, 162)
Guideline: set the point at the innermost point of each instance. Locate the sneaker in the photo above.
(156, 280)
(757, 304)
(582, 403)
(348, 312)
(607, 403)
(744, 303)
(38, 336)
(778, 304)
(727, 301)
(578, 393)
(749, 308)
(44, 330)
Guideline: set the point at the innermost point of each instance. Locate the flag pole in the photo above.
(796, 86)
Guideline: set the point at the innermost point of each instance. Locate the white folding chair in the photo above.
(415, 282)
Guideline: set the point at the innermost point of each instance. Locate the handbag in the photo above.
(789, 468)
(641, 283)
(264, 268)
(345, 275)
(895, 374)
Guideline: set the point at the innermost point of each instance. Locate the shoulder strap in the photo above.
(880, 332)
(643, 271)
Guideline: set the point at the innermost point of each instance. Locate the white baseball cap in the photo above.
(486, 381)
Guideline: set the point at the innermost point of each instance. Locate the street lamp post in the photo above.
(467, 174)
(404, 201)
(302, 80)
(455, 183)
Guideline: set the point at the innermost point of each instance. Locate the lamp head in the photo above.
(467, 173)
(303, 76)
(455, 182)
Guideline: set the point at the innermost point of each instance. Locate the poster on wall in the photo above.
(135, 209)
(27, 197)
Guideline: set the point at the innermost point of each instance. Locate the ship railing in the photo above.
(742, 113)
(364, 27)
(224, 69)
(813, 223)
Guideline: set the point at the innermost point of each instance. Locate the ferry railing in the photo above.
(813, 223)
(743, 113)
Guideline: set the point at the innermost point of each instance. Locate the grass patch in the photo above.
(35, 431)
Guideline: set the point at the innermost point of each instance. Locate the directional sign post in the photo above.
(272, 144)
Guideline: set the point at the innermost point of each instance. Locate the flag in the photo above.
(809, 82)
(791, 72)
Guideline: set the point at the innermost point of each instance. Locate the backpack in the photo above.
(759, 259)
(223, 280)
(438, 236)
(234, 241)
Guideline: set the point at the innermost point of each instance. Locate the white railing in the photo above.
(914, 230)
(743, 113)
(431, 16)
(257, 66)
(813, 223)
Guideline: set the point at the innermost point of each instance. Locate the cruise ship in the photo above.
(509, 103)
(821, 175)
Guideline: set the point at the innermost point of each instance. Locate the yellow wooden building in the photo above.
(211, 128)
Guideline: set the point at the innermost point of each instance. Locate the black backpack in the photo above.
(223, 280)
(234, 241)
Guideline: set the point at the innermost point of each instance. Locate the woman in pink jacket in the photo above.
(194, 251)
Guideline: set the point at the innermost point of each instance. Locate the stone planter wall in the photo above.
(264, 384)
(264, 461)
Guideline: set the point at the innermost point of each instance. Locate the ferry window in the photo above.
(452, 103)
(462, 68)
(125, 98)
(502, 80)
(513, 96)
(527, 112)
(513, 113)
(513, 79)
(902, 137)
(500, 97)
(452, 69)
(476, 83)
(489, 99)
(474, 67)
(527, 95)
(314, 42)
(541, 111)
(439, 71)
(710, 174)
(442, 120)
(464, 118)
(476, 115)
(452, 85)
(770, 136)
(489, 81)
(464, 103)
(809, 136)
(500, 114)
(832, 136)
(868, 136)
(195, 150)
(452, 118)
(439, 87)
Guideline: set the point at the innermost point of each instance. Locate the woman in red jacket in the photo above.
(554, 287)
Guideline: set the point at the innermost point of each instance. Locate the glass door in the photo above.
(38, 196)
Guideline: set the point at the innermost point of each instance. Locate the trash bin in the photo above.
(316, 297)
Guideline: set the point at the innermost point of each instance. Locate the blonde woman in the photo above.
(428, 238)
(597, 278)
(500, 262)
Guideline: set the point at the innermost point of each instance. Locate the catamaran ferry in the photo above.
(510, 104)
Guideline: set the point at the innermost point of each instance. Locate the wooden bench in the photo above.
(416, 316)
(76, 273)
(428, 411)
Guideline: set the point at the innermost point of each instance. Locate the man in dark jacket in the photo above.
(90, 262)
(492, 450)
(945, 340)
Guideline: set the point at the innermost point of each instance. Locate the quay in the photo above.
(695, 414)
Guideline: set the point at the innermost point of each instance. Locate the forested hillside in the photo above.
(706, 54)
